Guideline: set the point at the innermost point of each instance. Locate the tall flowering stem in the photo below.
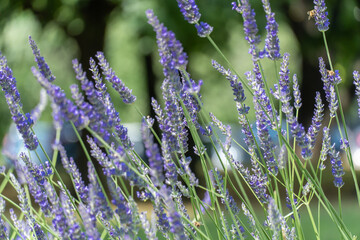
(42, 65)
(348, 150)
(117, 84)
(22, 121)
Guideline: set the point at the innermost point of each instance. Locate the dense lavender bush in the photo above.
(46, 209)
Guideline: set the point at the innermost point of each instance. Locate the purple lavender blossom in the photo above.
(3, 229)
(71, 168)
(250, 26)
(150, 230)
(321, 19)
(180, 206)
(174, 218)
(356, 76)
(68, 109)
(22, 225)
(117, 84)
(282, 91)
(39, 233)
(162, 221)
(99, 84)
(90, 225)
(192, 15)
(337, 168)
(42, 65)
(22, 121)
(277, 223)
(37, 171)
(74, 229)
(176, 134)
(325, 147)
(59, 221)
(225, 130)
(334, 77)
(57, 116)
(264, 118)
(203, 29)
(191, 98)
(190, 10)
(172, 56)
(296, 92)
(267, 144)
(169, 166)
(24, 201)
(272, 48)
(333, 104)
(257, 181)
(254, 231)
(257, 83)
(316, 121)
(123, 209)
(101, 157)
(325, 78)
(38, 192)
(154, 155)
(238, 90)
(97, 198)
(81, 103)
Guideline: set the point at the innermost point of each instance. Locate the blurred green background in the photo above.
(68, 29)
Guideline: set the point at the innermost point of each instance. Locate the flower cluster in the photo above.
(320, 14)
(22, 121)
(101, 201)
(191, 13)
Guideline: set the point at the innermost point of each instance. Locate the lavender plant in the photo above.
(49, 208)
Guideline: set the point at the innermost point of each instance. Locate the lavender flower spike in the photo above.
(316, 121)
(191, 14)
(117, 84)
(22, 121)
(250, 27)
(172, 56)
(357, 88)
(3, 229)
(153, 153)
(277, 222)
(337, 168)
(272, 48)
(296, 93)
(320, 15)
(43, 67)
(238, 90)
(190, 10)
